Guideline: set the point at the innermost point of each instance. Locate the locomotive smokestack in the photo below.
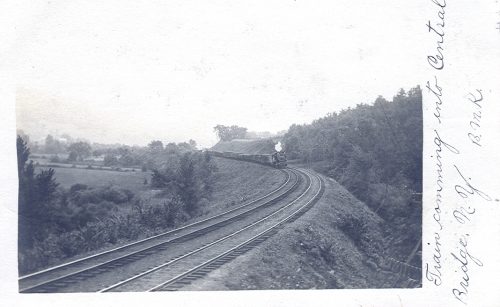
(278, 147)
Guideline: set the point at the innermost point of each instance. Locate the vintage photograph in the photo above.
(166, 146)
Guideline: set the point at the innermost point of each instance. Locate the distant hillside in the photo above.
(248, 146)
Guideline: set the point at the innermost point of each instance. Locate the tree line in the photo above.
(375, 151)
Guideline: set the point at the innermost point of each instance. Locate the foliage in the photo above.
(36, 193)
(377, 143)
(190, 179)
(228, 133)
(56, 223)
(79, 151)
(81, 195)
(155, 146)
(375, 151)
(110, 160)
(53, 145)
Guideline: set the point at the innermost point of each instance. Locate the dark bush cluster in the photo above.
(190, 180)
(112, 194)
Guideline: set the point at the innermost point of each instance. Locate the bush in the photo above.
(365, 233)
(77, 187)
(354, 228)
(164, 215)
(55, 159)
(110, 193)
(388, 201)
(116, 195)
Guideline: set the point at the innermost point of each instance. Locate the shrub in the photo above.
(354, 228)
(55, 159)
(86, 196)
(77, 187)
(165, 215)
(110, 193)
(116, 195)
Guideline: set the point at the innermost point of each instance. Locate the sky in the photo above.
(133, 71)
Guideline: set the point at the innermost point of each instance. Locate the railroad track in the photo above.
(216, 252)
(58, 277)
(182, 270)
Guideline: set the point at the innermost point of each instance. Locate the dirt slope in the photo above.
(336, 244)
(248, 146)
(232, 189)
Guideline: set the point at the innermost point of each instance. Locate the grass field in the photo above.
(134, 181)
(229, 187)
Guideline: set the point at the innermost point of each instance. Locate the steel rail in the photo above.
(149, 271)
(121, 248)
(226, 256)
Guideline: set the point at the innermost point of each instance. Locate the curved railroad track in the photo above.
(170, 276)
(57, 279)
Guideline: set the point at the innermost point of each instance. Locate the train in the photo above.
(276, 159)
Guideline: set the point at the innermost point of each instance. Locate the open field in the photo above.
(45, 160)
(134, 181)
(229, 188)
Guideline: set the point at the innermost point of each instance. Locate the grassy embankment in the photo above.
(336, 244)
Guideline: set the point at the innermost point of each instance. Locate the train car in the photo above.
(277, 159)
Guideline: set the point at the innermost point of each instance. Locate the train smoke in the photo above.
(278, 147)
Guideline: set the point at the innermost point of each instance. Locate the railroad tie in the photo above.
(182, 282)
(100, 270)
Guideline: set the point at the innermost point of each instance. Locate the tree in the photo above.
(155, 147)
(162, 179)
(206, 170)
(189, 179)
(110, 160)
(53, 145)
(126, 159)
(188, 187)
(36, 192)
(79, 151)
(23, 135)
(228, 133)
(192, 143)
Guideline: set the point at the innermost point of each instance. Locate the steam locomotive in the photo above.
(276, 159)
